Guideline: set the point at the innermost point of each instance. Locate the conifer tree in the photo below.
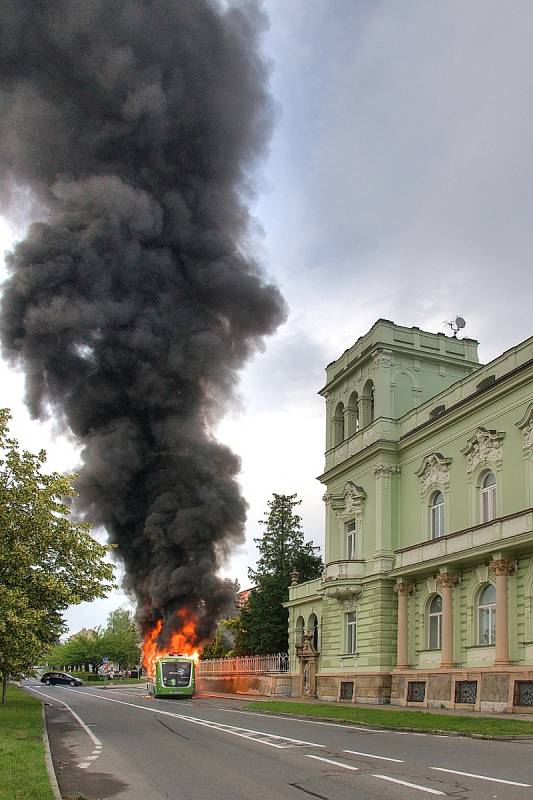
(282, 550)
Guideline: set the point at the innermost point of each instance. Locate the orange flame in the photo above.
(181, 642)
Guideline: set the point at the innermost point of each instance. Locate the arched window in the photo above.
(338, 425)
(437, 515)
(367, 404)
(487, 615)
(435, 623)
(312, 627)
(352, 415)
(299, 638)
(488, 497)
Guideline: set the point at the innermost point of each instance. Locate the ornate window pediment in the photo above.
(526, 426)
(482, 447)
(434, 471)
(350, 504)
(354, 501)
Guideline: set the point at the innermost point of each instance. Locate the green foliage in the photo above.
(118, 641)
(47, 561)
(282, 549)
(222, 646)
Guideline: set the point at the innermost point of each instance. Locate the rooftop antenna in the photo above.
(456, 325)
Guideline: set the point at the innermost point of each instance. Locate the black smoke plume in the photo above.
(136, 124)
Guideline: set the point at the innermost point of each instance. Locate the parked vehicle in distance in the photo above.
(60, 678)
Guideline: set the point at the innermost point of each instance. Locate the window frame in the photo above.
(350, 540)
(488, 610)
(487, 498)
(435, 518)
(434, 615)
(351, 633)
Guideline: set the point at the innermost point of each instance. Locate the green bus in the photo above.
(174, 677)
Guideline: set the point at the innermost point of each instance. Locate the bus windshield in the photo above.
(176, 673)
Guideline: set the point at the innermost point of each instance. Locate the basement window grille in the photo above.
(416, 691)
(523, 693)
(346, 690)
(466, 692)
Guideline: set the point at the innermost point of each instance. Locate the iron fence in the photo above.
(279, 662)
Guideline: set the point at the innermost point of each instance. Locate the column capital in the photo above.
(447, 580)
(403, 588)
(502, 566)
(385, 470)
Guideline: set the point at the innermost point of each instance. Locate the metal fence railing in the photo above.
(279, 662)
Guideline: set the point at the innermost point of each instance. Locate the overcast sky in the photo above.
(399, 185)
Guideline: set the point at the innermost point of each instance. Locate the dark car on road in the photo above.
(53, 678)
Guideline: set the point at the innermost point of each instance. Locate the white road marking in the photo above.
(94, 739)
(245, 733)
(347, 726)
(335, 763)
(371, 755)
(481, 777)
(84, 765)
(410, 785)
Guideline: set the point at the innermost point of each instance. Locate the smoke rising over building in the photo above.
(132, 306)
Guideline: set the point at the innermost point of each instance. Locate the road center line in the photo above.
(245, 733)
(371, 755)
(410, 785)
(481, 777)
(335, 763)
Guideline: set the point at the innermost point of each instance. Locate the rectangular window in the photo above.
(351, 632)
(487, 625)
(346, 692)
(488, 504)
(437, 521)
(176, 673)
(416, 691)
(435, 621)
(350, 533)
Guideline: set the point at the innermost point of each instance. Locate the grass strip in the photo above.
(407, 720)
(23, 774)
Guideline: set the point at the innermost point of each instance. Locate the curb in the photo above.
(48, 760)
(430, 732)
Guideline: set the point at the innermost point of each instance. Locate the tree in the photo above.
(47, 561)
(282, 549)
(121, 639)
(118, 641)
(223, 644)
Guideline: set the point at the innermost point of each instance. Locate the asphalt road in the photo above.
(120, 744)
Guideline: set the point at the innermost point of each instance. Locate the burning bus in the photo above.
(170, 674)
(174, 676)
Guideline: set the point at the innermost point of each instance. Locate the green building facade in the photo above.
(427, 594)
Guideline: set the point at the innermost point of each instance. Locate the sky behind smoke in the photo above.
(399, 185)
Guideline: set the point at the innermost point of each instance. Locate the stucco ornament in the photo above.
(354, 501)
(434, 471)
(526, 426)
(386, 470)
(484, 446)
(346, 595)
(382, 358)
